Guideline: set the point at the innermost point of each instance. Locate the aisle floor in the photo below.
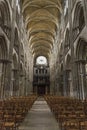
(39, 117)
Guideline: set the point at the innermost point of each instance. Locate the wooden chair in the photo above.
(9, 120)
(71, 124)
(1, 120)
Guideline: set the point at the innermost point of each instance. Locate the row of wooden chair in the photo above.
(14, 110)
(70, 113)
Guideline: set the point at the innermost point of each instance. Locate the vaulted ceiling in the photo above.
(41, 20)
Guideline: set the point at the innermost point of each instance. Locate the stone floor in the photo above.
(39, 117)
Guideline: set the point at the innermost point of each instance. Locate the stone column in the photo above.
(73, 73)
(9, 85)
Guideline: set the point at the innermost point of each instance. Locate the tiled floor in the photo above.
(39, 117)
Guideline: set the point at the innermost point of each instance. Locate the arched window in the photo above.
(81, 19)
(41, 60)
(16, 42)
(67, 41)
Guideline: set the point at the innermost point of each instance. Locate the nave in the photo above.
(48, 112)
(43, 51)
(39, 117)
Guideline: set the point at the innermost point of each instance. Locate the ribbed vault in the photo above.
(41, 21)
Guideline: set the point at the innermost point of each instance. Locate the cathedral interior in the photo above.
(43, 64)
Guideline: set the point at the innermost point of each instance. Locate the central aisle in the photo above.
(39, 117)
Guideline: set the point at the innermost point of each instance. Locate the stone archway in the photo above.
(78, 20)
(81, 55)
(3, 66)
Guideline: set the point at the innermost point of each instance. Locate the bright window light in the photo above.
(41, 60)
